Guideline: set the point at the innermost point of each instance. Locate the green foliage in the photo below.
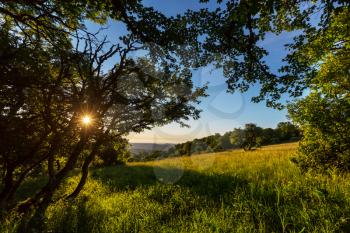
(116, 152)
(324, 115)
(324, 120)
(287, 131)
(252, 136)
(269, 136)
(234, 30)
(225, 141)
(230, 35)
(248, 138)
(150, 156)
(53, 73)
(48, 83)
(197, 146)
(259, 191)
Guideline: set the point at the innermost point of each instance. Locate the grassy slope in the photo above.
(259, 191)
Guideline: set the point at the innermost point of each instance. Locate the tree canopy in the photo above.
(228, 36)
(324, 114)
(52, 75)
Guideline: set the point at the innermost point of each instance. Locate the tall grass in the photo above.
(234, 191)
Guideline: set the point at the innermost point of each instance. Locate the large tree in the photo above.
(53, 74)
(228, 36)
(47, 83)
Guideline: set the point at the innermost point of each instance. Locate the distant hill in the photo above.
(137, 148)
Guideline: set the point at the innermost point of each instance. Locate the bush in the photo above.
(324, 117)
(114, 153)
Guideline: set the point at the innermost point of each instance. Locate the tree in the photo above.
(49, 83)
(225, 142)
(325, 124)
(252, 136)
(230, 35)
(269, 136)
(187, 148)
(212, 143)
(247, 138)
(115, 109)
(324, 115)
(198, 146)
(233, 32)
(115, 152)
(287, 131)
(237, 138)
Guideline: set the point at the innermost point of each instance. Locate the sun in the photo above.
(86, 120)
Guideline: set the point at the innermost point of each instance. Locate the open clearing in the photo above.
(233, 191)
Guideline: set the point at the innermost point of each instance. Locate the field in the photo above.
(233, 191)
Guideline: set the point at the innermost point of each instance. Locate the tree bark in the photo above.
(85, 170)
(42, 199)
(8, 184)
(84, 175)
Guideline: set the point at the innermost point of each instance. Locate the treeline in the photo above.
(248, 138)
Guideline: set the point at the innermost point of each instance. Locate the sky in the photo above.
(221, 111)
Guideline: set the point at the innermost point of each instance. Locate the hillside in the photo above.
(233, 191)
(136, 148)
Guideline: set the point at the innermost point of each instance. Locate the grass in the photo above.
(233, 191)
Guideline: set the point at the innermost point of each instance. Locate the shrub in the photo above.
(324, 117)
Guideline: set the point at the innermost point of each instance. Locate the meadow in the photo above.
(232, 191)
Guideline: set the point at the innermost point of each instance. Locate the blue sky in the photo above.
(221, 111)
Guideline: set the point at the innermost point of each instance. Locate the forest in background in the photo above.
(250, 137)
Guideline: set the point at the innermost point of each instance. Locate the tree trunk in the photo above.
(8, 185)
(43, 198)
(36, 222)
(85, 170)
(84, 175)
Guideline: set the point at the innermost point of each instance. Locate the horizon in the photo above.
(221, 134)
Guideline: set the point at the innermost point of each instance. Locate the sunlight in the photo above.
(86, 120)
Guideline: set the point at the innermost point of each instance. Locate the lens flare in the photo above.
(86, 120)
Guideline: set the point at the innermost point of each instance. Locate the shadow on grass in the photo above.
(258, 202)
(267, 203)
(213, 186)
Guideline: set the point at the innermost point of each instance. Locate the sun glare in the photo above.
(86, 120)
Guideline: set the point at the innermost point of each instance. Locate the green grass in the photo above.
(234, 191)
